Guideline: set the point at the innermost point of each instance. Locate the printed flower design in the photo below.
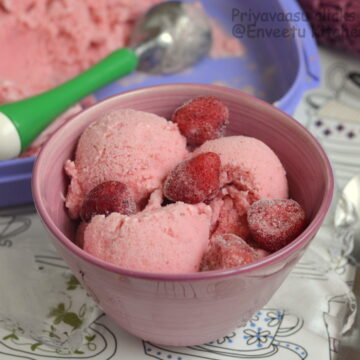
(10, 227)
(258, 337)
(255, 318)
(274, 318)
(227, 338)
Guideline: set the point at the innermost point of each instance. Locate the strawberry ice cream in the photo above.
(250, 171)
(171, 239)
(149, 203)
(59, 39)
(133, 147)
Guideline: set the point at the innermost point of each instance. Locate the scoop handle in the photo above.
(32, 115)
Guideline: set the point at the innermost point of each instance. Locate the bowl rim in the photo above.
(304, 238)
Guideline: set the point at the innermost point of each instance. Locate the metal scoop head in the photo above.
(170, 37)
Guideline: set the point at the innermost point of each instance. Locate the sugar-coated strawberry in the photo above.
(194, 180)
(227, 251)
(274, 223)
(108, 197)
(202, 118)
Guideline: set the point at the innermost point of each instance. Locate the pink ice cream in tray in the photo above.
(56, 50)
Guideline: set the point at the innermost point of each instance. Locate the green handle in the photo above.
(32, 115)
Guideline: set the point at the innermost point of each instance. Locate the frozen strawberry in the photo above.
(194, 180)
(274, 223)
(108, 197)
(227, 251)
(202, 118)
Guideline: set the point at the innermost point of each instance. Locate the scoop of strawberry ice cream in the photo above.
(171, 239)
(250, 171)
(133, 147)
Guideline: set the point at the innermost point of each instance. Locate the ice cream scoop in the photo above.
(250, 171)
(170, 37)
(133, 147)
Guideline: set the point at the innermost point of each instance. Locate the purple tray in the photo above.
(275, 68)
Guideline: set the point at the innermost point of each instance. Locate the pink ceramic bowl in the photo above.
(194, 308)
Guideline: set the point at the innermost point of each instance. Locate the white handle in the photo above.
(10, 144)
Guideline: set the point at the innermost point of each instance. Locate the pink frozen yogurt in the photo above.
(59, 39)
(170, 239)
(134, 147)
(250, 171)
(46, 42)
